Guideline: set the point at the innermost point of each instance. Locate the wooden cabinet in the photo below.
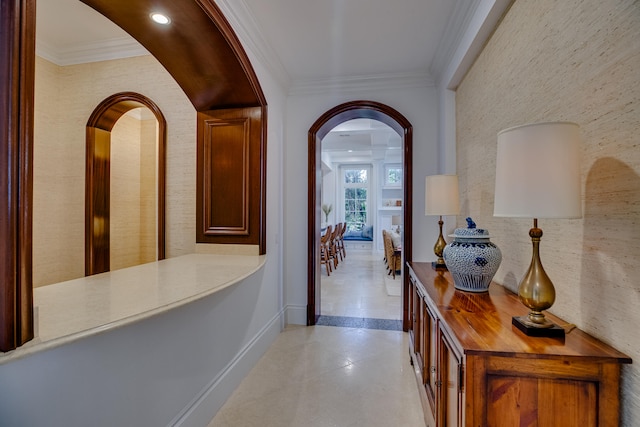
(474, 368)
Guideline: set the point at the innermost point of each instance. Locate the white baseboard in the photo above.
(202, 408)
(296, 314)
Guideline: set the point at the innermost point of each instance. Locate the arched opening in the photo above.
(322, 126)
(98, 179)
(214, 75)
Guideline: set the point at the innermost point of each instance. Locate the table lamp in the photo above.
(441, 198)
(397, 221)
(538, 176)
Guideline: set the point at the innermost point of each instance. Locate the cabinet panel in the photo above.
(450, 382)
(412, 297)
(521, 401)
(418, 323)
(504, 394)
(230, 183)
(430, 377)
(412, 317)
(567, 403)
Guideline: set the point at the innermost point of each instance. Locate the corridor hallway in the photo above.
(323, 376)
(357, 374)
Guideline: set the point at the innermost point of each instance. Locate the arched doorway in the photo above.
(97, 180)
(322, 126)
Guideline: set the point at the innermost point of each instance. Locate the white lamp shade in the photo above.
(441, 195)
(538, 171)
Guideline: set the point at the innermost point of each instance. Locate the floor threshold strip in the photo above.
(360, 322)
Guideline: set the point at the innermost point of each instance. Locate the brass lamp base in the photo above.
(438, 248)
(526, 326)
(536, 292)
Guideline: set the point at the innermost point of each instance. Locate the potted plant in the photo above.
(327, 210)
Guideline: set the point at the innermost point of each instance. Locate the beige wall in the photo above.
(148, 189)
(576, 60)
(65, 98)
(58, 189)
(133, 191)
(124, 214)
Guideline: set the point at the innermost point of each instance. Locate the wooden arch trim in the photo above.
(199, 49)
(101, 122)
(322, 126)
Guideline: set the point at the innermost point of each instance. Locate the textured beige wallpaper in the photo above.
(125, 193)
(133, 192)
(58, 188)
(576, 60)
(148, 189)
(65, 98)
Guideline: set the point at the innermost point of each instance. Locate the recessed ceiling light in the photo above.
(350, 151)
(160, 18)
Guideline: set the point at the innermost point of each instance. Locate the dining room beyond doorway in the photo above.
(360, 292)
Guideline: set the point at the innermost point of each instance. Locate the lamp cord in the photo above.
(568, 327)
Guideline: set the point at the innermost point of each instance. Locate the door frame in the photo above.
(330, 119)
(97, 178)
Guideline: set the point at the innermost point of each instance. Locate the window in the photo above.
(356, 200)
(393, 175)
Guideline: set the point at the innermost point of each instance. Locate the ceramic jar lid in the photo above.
(471, 232)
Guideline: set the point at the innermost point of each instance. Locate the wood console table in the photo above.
(475, 369)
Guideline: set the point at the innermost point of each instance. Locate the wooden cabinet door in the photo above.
(424, 324)
(450, 404)
(549, 392)
(418, 324)
(412, 297)
(430, 340)
(231, 159)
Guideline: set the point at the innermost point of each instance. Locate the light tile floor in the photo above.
(358, 288)
(328, 376)
(334, 376)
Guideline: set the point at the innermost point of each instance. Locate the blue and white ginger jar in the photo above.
(471, 258)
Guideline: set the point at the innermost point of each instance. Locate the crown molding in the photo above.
(457, 23)
(364, 82)
(122, 47)
(470, 26)
(249, 31)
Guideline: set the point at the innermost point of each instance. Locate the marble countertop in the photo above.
(71, 310)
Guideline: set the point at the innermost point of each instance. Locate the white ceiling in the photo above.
(362, 140)
(310, 40)
(70, 32)
(322, 39)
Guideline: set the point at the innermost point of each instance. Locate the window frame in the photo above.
(343, 186)
(388, 167)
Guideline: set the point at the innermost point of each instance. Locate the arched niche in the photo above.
(320, 129)
(204, 56)
(97, 179)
